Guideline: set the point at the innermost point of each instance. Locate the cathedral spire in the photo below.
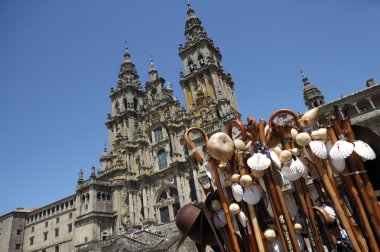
(312, 95)
(127, 56)
(128, 74)
(153, 74)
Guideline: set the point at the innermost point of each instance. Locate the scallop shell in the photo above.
(329, 210)
(252, 195)
(215, 205)
(294, 133)
(234, 208)
(275, 159)
(290, 174)
(270, 234)
(303, 139)
(237, 191)
(298, 166)
(341, 149)
(258, 162)
(319, 149)
(328, 145)
(245, 181)
(243, 218)
(306, 154)
(305, 172)
(285, 156)
(364, 150)
(339, 164)
(219, 219)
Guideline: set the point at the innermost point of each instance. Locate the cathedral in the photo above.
(147, 174)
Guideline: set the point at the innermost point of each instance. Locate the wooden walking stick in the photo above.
(283, 220)
(214, 144)
(334, 197)
(367, 213)
(346, 125)
(299, 184)
(256, 228)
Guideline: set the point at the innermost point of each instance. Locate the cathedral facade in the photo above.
(147, 174)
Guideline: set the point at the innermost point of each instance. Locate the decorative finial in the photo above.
(93, 175)
(190, 11)
(126, 46)
(80, 179)
(170, 87)
(127, 56)
(304, 77)
(151, 63)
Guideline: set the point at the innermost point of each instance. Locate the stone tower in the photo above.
(208, 90)
(146, 175)
(311, 94)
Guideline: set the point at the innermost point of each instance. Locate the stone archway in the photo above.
(167, 204)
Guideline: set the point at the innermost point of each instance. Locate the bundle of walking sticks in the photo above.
(246, 208)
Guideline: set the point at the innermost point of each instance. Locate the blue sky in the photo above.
(58, 60)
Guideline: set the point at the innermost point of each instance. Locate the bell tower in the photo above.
(311, 94)
(208, 90)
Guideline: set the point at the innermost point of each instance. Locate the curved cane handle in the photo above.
(240, 125)
(284, 111)
(191, 145)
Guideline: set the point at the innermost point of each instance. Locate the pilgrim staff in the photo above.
(346, 125)
(280, 210)
(253, 221)
(334, 196)
(227, 238)
(284, 132)
(358, 193)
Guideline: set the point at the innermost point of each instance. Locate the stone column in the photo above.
(171, 212)
(125, 127)
(145, 203)
(131, 206)
(180, 190)
(197, 186)
(151, 202)
(369, 99)
(186, 188)
(355, 104)
(158, 215)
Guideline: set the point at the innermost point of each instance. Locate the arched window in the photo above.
(169, 204)
(154, 94)
(201, 60)
(98, 196)
(135, 103)
(161, 156)
(191, 66)
(158, 136)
